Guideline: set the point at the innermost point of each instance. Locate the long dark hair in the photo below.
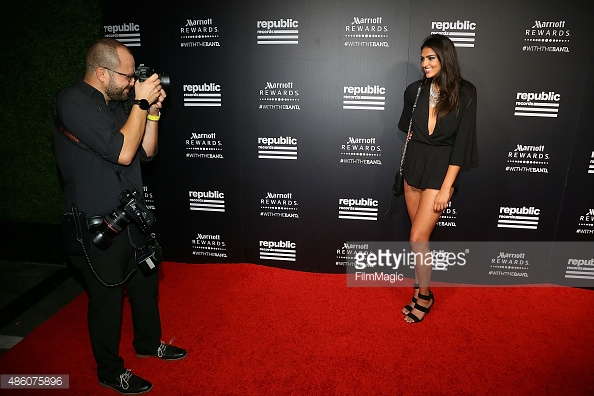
(448, 79)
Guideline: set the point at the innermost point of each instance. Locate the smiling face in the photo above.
(429, 62)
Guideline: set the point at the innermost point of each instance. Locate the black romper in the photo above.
(453, 141)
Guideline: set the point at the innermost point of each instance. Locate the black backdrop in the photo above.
(263, 160)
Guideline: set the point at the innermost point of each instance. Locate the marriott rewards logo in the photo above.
(149, 198)
(126, 33)
(547, 36)
(278, 250)
(528, 158)
(366, 32)
(357, 209)
(207, 201)
(448, 216)
(282, 205)
(202, 95)
(364, 98)
(586, 223)
(283, 31)
(537, 104)
(523, 217)
(210, 245)
(462, 33)
(364, 151)
(199, 33)
(279, 96)
(204, 145)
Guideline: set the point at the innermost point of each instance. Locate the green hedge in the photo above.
(44, 45)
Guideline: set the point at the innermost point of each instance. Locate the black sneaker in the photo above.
(165, 352)
(128, 384)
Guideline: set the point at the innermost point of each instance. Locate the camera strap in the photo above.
(80, 144)
(69, 136)
(119, 172)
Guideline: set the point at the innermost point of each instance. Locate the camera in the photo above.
(131, 209)
(143, 72)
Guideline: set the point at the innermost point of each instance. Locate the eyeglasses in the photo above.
(130, 77)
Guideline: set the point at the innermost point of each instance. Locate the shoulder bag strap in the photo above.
(408, 135)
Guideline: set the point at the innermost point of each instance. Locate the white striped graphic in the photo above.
(358, 213)
(207, 205)
(278, 153)
(278, 254)
(537, 109)
(282, 36)
(203, 100)
(366, 102)
(585, 273)
(128, 39)
(526, 222)
(461, 39)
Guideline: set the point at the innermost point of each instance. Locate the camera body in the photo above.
(131, 209)
(143, 72)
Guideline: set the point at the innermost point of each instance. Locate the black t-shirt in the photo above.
(89, 180)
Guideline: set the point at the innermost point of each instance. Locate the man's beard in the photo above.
(115, 93)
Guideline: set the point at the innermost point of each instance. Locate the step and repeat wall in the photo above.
(279, 138)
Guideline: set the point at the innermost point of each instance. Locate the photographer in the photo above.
(98, 148)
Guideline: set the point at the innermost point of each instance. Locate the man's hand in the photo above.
(150, 89)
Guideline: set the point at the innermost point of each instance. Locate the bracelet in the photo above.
(154, 118)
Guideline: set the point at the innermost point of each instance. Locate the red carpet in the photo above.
(255, 330)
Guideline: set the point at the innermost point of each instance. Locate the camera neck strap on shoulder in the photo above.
(64, 132)
(80, 144)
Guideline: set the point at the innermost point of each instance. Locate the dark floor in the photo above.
(31, 293)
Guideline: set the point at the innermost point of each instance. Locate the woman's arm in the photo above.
(443, 196)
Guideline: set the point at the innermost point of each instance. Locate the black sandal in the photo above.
(421, 308)
(414, 300)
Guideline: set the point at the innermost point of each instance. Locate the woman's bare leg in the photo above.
(412, 197)
(423, 222)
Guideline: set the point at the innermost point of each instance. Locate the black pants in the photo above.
(105, 304)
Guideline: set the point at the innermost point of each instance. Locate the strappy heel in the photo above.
(421, 308)
(414, 300)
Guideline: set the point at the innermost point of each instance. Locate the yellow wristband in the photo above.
(154, 118)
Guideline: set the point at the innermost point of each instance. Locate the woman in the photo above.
(442, 140)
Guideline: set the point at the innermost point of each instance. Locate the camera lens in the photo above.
(164, 80)
(111, 226)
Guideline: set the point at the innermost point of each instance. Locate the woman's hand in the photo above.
(441, 200)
